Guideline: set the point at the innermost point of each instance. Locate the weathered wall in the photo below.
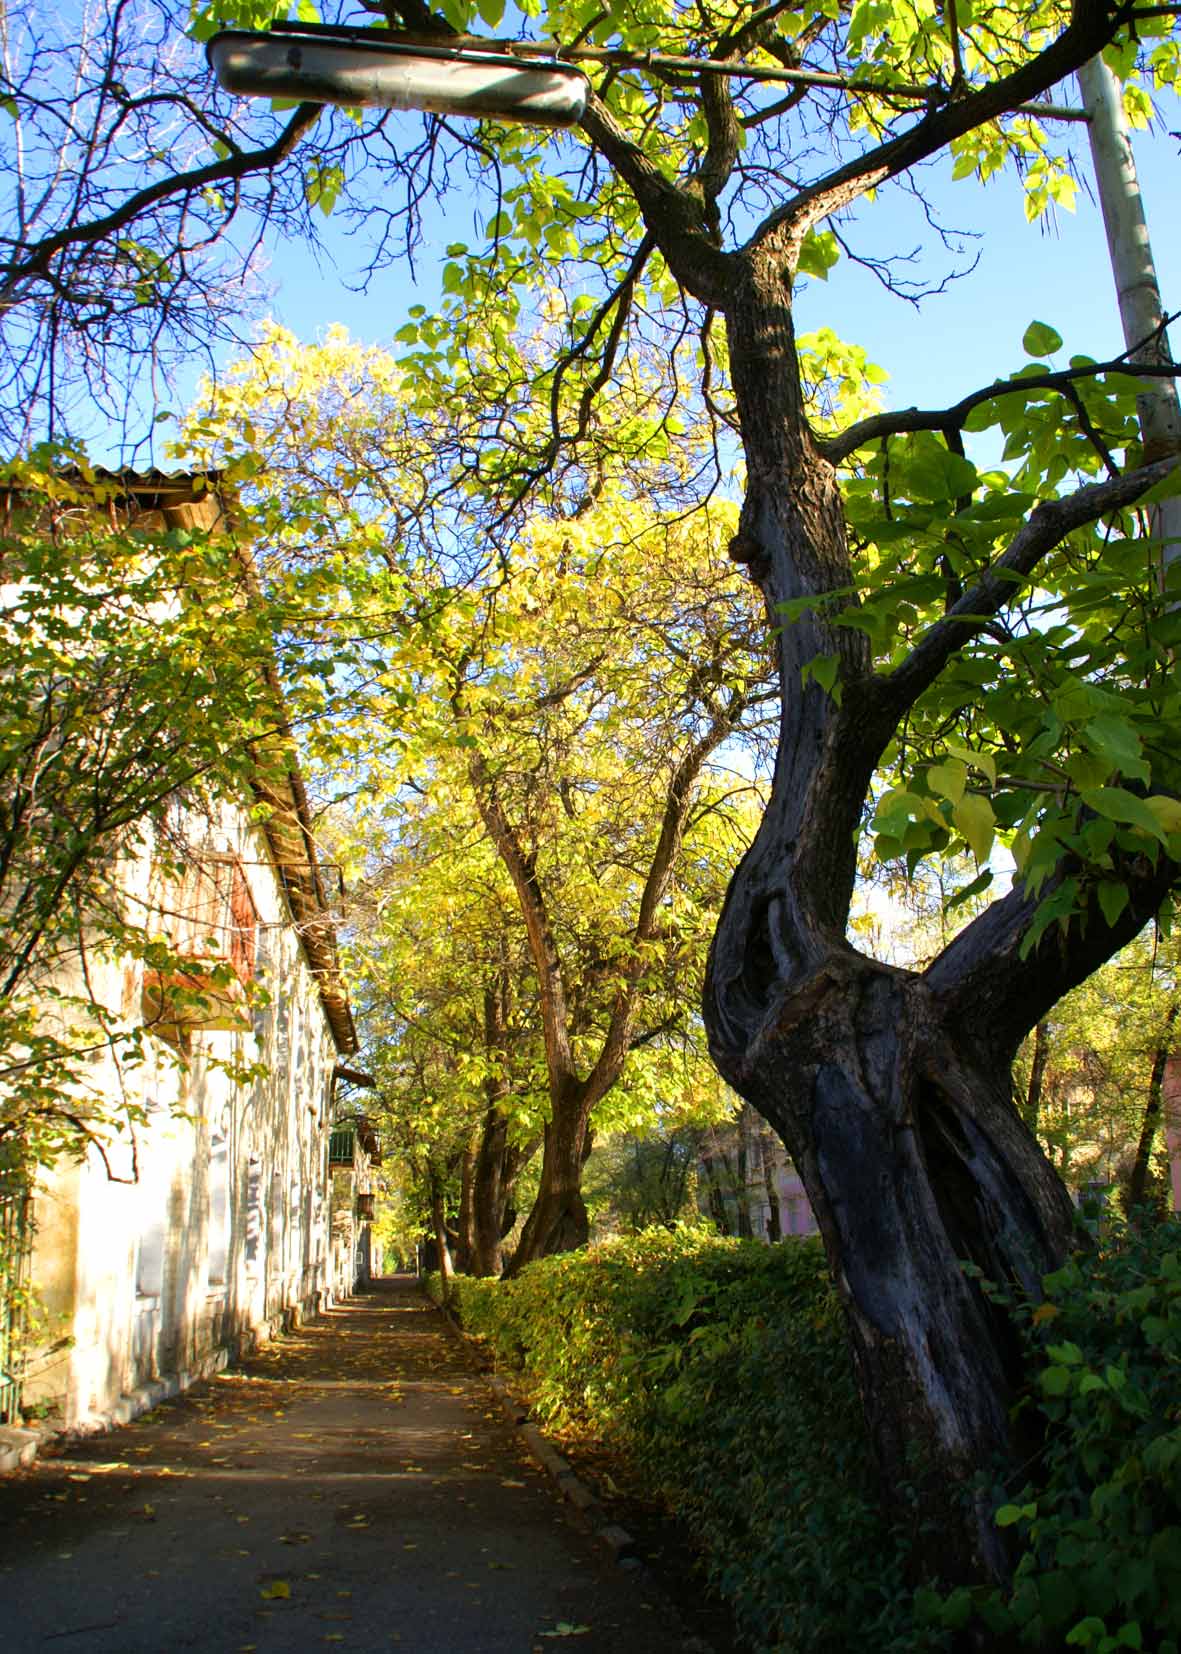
(219, 1219)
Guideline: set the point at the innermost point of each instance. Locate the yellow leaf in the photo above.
(1043, 1313)
(973, 818)
(276, 1588)
(948, 780)
(1166, 810)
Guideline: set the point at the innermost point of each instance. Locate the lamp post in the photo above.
(374, 68)
(1137, 289)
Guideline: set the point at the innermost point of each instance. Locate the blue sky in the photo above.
(954, 341)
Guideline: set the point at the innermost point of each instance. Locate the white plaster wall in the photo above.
(223, 1218)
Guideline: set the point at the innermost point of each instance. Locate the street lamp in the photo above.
(321, 63)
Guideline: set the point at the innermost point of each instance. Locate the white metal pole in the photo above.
(1136, 285)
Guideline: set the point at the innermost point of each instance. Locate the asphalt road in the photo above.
(353, 1485)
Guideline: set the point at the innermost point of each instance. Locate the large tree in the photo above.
(592, 701)
(918, 603)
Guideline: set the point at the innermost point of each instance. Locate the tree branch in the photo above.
(725, 137)
(1091, 27)
(35, 262)
(678, 802)
(981, 981)
(905, 420)
(677, 217)
(542, 941)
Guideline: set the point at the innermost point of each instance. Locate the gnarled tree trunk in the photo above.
(891, 1090)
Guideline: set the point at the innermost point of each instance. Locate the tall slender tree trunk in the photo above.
(1037, 1074)
(774, 1223)
(1138, 1181)
(439, 1224)
(742, 1159)
(465, 1245)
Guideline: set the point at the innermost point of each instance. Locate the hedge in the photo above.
(718, 1369)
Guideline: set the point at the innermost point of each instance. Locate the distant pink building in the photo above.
(795, 1212)
(748, 1184)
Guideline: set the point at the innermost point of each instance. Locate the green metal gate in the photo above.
(15, 1238)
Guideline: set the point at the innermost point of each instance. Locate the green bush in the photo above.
(719, 1369)
(1098, 1524)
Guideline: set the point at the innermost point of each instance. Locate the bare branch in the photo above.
(36, 260)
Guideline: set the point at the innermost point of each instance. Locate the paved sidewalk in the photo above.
(354, 1484)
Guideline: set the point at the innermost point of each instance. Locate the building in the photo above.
(354, 1154)
(747, 1184)
(206, 1223)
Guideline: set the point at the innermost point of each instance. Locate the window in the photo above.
(211, 912)
(219, 1199)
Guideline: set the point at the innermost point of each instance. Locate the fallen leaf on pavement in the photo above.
(276, 1588)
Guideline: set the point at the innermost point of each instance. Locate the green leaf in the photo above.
(825, 670)
(948, 780)
(979, 884)
(1086, 1631)
(938, 474)
(1040, 339)
(1113, 899)
(983, 761)
(818, 254)
(1117, 804)
(1115, 740)
(1166, 810)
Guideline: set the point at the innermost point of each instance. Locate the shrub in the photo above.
(1098, 1524)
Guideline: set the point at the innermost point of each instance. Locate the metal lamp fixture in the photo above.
(371, 67)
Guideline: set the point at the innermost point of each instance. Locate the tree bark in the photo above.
(498, 1165)
(558, 1221)
(465, 1249)
(742, 1157)
(439, 1224)
(774, 1223)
